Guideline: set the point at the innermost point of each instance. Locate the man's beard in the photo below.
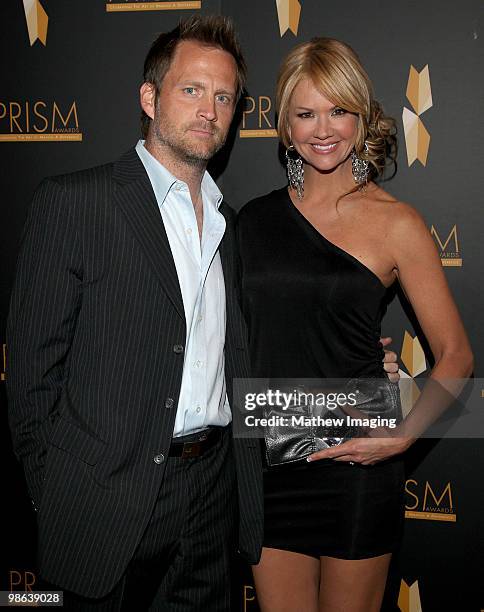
(184, 148)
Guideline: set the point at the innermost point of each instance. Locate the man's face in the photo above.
(196, 103)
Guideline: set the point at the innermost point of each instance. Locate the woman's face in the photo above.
(322, 133)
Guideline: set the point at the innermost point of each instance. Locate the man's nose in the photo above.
(207, 108)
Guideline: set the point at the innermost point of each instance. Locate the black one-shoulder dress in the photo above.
(314, 311)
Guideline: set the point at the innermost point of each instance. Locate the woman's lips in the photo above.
(324, 149)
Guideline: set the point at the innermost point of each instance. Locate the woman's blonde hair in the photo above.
(337, 73)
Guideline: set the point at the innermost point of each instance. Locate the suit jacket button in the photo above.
(169, 402)
(178, 348)
(159, 459)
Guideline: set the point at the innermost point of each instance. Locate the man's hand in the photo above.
(390, 363)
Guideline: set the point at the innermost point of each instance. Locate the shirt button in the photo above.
(189, 230)
(198, 409)
(198, 363)
(169, 402)
(178, 349)
(158, 459)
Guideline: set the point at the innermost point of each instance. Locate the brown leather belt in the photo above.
(201, 443)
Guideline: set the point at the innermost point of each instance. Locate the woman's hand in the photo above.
(390, 363)
(379, 445)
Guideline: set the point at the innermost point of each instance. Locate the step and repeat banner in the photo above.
(70, 74)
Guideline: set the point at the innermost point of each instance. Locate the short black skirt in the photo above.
(330, 508)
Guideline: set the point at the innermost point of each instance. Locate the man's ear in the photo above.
(147, 96)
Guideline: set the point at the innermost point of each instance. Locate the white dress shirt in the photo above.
(203, 398)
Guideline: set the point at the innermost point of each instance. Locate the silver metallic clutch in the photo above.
(294, 432)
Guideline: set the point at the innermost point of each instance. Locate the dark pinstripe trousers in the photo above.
(183, 560)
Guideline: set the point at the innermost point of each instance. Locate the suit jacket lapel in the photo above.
(136, 199)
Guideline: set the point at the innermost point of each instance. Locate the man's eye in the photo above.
(191, 91)
(223, 99)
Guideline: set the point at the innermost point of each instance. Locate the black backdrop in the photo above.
(73, 103)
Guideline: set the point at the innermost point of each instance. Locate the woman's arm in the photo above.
(422, 278)
(420, 273)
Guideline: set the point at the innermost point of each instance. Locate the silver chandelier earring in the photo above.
(359, 167)
(295, 171)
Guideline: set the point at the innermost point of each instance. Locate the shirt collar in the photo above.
(163, 180)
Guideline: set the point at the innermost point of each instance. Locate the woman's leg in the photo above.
(287, 581)
(352, 585)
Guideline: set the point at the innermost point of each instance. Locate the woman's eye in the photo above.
(305, 115)
(338, 111)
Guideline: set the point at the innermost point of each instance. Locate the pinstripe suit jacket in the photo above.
(95, 366)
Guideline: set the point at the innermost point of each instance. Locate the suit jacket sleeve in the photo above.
(43, 311)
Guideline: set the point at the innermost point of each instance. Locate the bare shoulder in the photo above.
(399, 217)
(408, 240)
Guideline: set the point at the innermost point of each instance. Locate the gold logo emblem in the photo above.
(116, 7)
(4, 365)
(37, 21)
(429, 503)
(248, 596)
(257, 118)
(413, 358)
(419, 95)
(21, 580)
(409, 597)
(27, 121)
(449, 251)
(288, 13)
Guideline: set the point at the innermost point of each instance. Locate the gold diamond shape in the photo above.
(409, 597)
(419, 92)
(409, 392)
(417, 138)
(37, 21)
(288, 13)
(413, 356)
